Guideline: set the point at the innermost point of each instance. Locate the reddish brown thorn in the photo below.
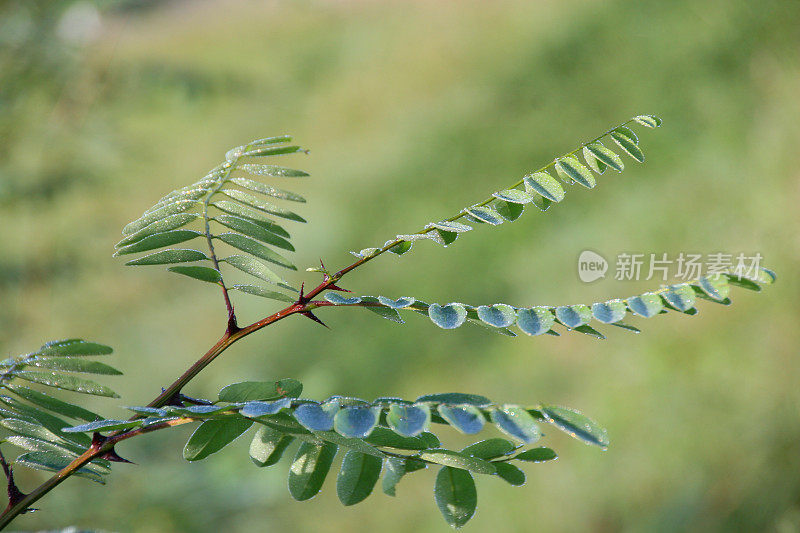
(111, 455)
(302, 298)
(311, 315)
(98, 440)
(337, 288)
(14, 494)
(175, 400)
(194, 401)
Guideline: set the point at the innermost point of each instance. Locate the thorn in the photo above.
(335, 287)
(311, 315)
(302, 300)
(111, 455)
(196, 401)
(14, 494)
(98, 440)
(175, 400)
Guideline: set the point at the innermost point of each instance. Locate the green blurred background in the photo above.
(411, 111)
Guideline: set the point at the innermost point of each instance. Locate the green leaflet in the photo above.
(513, 196)
(53, 404)
(535, 321)
(681, 297)
(387, 438)
(356, 422)
(456, 495)
(74, 347)
(497, 315)
(490, 449)
(70, 364)
(600, 153)
(259, 187)
(357, 477)
(400, 248)
(261, 205)
(508, 210)
(609, 312)
(570, 169)
(627, 132)
(36, 445)
(576, 424)
(456, 398)
(253, 216)
(651, 121)
(646, 305)
(158, 240)
(51, 462)
(261, 151)
(485, 214)
(61, 381)
(160, 213)
(165, 224)
(358, 445)
(195, 191)
(573, 316)
(545, 185)
(516, 422)
(254, 268)
(450, 227)
(385, 312)
(408, 420)
(457, 460)
(264, 293)
(467, 419)
(510, 474)
(251, 246)
(254, 230)
(213, 435)
(103, 425)
(198, 272)
(628, 143)
(165, 257)
(37, 431)
(268, 445)
(26, 414)
(448, 316)
(271, 170)
(537, 455)
(394, 470)
(248, 391)
(235, 153)
(592, 162)
(400, 303)
(309, 469)
(715, 286)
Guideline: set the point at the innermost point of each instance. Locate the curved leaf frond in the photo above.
(36, 419)
(388, 435)
(225, 206)
(539, 188)
(681, 297)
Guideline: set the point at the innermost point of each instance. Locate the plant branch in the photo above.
(232, 334)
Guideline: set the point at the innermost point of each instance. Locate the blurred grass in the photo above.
(411, 111)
